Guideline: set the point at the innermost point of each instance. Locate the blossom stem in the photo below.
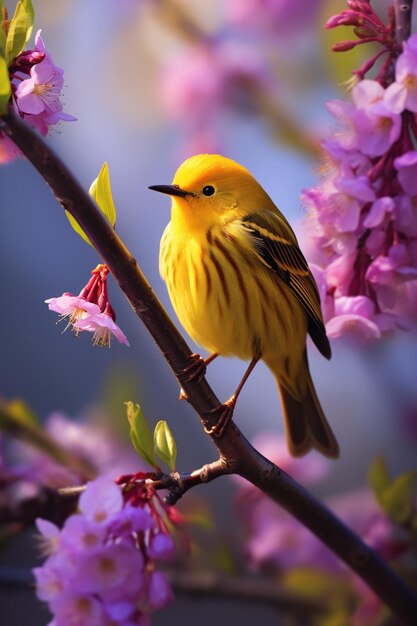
(177, 483)
(236, 453)
(403, 12)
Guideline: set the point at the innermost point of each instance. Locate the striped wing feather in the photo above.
(277, 247)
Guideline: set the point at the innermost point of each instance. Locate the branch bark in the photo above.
(403, 11)
(236, 453)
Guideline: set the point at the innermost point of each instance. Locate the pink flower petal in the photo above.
(101, 500)
(31, 103)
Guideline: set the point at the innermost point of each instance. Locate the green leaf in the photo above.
(164, 444)
(140, 434)
(100, 191)
(2, 31)
(20, 30)
(30, 13)
(5, 88)
(378, 477)
(397, 499)
(77, 227)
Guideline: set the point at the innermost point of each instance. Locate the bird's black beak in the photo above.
(171, 190)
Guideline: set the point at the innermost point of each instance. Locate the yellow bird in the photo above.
(241, 286)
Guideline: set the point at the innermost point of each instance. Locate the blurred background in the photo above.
(152, 82)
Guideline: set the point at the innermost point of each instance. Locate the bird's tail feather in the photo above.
(306, 425)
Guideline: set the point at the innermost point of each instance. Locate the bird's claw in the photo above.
(225, 412)
(196, 370)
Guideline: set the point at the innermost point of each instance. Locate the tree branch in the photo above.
(403, 13)
(236, 453)
(176, 483)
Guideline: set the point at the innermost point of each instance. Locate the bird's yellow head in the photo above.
(211, 189)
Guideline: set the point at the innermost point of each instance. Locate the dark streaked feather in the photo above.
(278, 249)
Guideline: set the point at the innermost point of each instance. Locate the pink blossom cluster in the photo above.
(363, 213)
(36, 88)
(91, 443)
(284, 18)
(200, 82)
(91, 310)
(101, 568)
(277, 543)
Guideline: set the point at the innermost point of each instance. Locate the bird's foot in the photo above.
(196, 370)
(225, 412)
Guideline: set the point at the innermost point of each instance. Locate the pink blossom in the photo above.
(103, 327)
(81, 533)
(162, 547)
(101, 501)
(40, 93)
(37, 97)
(76, 609)
(353, 314)
(74, 307)
(130, 520)
(204, 79)
(362, 214)
(97, 575)
(91, 310)
(159, 592)
(110, 568)
(285, 18)
(406, 165)
(49, 582)
(380, 208)
(405, 86)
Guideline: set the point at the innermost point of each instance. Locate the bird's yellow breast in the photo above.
(226, 301)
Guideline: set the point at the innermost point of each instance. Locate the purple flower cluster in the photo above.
(101, 567)
(278, 544)
(203, 80)
(36, 88)
(87, 441)
(363, 213)
(91, 310)
(284, 18)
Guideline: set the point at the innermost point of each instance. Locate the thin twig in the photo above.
(47, 503)
(176, 483)
(237, 454)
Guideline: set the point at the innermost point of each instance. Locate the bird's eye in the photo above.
(208, 190)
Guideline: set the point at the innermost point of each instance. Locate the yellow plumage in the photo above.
(241, 286)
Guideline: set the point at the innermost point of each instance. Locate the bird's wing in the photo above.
(277, 247)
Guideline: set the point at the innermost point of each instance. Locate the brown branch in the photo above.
(176, 483)
(47, 503)
(236, 453)
(403, 13)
